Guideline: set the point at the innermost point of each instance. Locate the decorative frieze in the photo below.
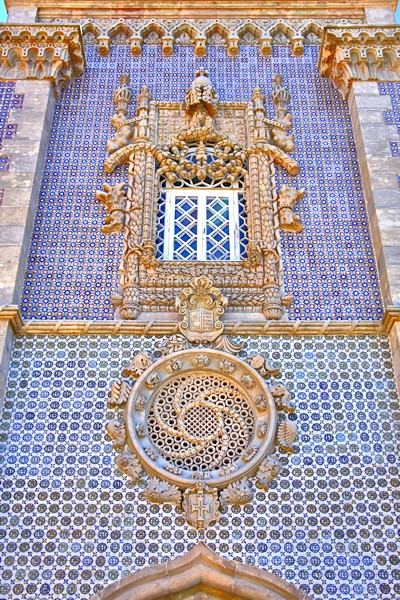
(39, 51)
(264, 33)
(360, 53)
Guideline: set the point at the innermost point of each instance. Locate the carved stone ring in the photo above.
(202, 422)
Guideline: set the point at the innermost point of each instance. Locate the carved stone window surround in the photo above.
(154, 144)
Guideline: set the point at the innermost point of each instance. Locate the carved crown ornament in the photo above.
(360, 53)
(200, 144)
(200, 422)
(38, 51)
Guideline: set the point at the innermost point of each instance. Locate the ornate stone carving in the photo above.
(201, 422)
(261, 364)
(200, 504)
(287, 198)
(269, 469)
(39, 51)
(169, 144)
(119, 393)
(114, 199)
(282, 398)
(201, 306)
(140, 362)
(117, 432)
(160, 492)
(360, 53)
(287, 434)
(237, 493)
(129, 465)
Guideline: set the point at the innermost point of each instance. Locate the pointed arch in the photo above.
(201, 571)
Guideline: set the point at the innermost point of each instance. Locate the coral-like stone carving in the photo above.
(41, 51)
(237, 493)
(140, 362)
(119, 393)
(356, 53)
(201, 305)
(200, 504)
(269, 469)
(261, 364)
(129, 465)
(114, 199)
(160, 492)
(288, 196)
(282, 398)
(117, 432)
(287, 434)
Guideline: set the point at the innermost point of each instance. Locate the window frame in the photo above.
(201, 236)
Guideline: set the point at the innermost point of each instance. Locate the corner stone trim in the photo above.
(357, 53)
(50, 52)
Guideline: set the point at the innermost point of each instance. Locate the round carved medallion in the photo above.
(201, 415)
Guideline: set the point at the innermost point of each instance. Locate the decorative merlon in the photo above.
(360, 53)
(39, 51)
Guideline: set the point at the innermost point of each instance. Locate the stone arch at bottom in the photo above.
(201, 574)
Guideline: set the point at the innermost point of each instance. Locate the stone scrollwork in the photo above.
(42, 51)
(211, 143)
(360, 53)
(201, 423)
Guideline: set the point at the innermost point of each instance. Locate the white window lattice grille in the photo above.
(201, 225)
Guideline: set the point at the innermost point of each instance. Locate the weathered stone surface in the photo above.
(379, 172)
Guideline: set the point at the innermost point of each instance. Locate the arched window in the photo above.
(201, 220)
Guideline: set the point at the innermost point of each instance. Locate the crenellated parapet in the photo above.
(42, 51)
(360, 53)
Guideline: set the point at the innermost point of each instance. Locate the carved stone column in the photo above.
(355, 59)
(42, 60)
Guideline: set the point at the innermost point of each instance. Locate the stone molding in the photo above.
(170, 326)
(184, 9)
(201, 571)
(42, 52)
(264, 33)
(354, 53)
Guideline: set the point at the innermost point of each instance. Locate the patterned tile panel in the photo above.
(70, 523)
(8, 101)
(330, 267)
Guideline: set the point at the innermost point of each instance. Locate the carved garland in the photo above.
(156, 144)
(201, 422)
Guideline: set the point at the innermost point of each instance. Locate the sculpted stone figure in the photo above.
(114, 199)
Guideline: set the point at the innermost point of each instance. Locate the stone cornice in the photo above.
(41, 51)
(360, 53)
(170, 327)
(205, 9)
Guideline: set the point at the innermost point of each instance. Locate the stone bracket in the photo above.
(360, 53)
(42, 51)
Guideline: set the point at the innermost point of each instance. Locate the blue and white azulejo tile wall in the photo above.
(70, 523)
(329, 267)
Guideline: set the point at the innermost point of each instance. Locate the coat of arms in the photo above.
(201, 305)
